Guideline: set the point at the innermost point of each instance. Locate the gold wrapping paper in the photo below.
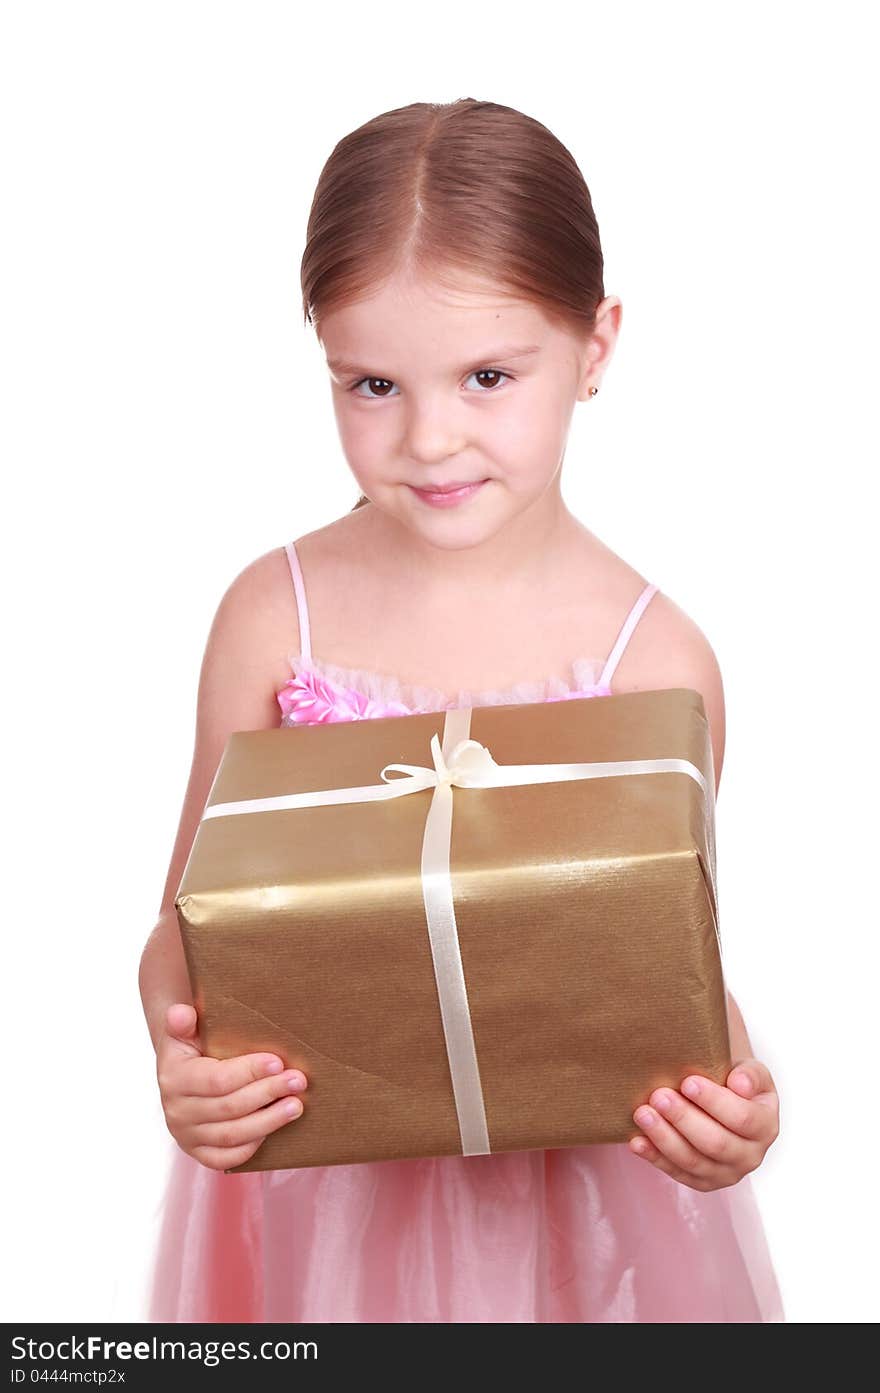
(586, 917)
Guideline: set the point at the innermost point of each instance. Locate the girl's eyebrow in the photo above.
(514, 351)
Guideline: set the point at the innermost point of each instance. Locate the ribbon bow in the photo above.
(470, 765)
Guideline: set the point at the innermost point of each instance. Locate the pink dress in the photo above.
(578, 1234)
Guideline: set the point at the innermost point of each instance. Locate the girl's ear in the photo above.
(601, 344)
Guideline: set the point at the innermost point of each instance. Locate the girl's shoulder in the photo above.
(262, 599)
(327, 558)
(666, 649)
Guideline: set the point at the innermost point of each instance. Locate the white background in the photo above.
(167, 418)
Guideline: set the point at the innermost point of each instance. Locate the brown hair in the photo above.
(459, 188)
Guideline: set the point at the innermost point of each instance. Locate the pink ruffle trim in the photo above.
(323, 692)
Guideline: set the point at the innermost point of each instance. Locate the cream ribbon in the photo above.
(464, 763)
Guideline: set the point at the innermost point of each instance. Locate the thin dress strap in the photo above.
(625, 634)
(302, 608)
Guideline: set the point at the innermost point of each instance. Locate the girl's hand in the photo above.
(220, 1110)
(716, 1134)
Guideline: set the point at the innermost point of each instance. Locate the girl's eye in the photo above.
(495, 373)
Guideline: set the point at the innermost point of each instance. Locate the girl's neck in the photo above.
(520, 558)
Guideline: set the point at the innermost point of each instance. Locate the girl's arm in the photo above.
(254, 626)
(676, 653)
(740, 1044)
(163, 977)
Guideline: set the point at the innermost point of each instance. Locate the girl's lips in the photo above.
(448, 500)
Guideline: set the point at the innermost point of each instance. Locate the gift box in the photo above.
(480, 930)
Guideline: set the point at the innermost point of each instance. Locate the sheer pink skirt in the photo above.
(582, 1234)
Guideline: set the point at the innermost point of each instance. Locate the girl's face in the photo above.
(433, 387)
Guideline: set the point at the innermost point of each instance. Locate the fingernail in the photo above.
(296, 1081)
(274, 1066)
(690, 1088)
(644, 1118)
(293, 1107)
(743, 1081)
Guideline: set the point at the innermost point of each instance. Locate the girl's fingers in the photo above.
(242, 1130)
(182, 1028)
(690, 1137)
(218, 1160)
(670, 1143)
(719, 1177)
(745, 1116)
(214, 1078)
(247, 1099)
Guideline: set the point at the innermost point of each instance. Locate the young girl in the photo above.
(454, 276)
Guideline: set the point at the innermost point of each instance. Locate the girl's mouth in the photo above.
(450, 499)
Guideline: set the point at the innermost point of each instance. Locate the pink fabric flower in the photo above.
(310, 699)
